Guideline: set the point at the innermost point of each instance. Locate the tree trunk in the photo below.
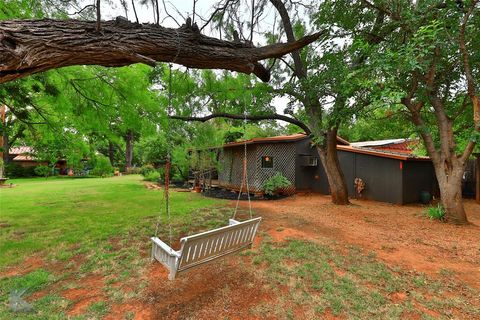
(336, 179)
(128, 149)
(31, 46)
(449, 167)
(477, 179)
(5, 144)
(450, 183)
(111, 153)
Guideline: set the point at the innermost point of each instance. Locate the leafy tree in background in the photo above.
(378, 124)
(115, 106)
(428, 62)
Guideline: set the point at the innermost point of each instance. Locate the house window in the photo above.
(267, 162)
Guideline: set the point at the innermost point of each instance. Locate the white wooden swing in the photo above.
(204, 247)
(207, 246)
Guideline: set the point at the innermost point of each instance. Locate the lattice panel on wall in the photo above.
(231, 167)
(283, 161)
(225, 166)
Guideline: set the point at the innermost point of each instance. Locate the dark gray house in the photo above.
(389, 173)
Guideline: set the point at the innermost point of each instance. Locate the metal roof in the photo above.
(383, 153)
(277, 139)
(24, 158)
(286, 138)
(376, 143)
(20, 150)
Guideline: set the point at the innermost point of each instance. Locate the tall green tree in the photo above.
(428, 62)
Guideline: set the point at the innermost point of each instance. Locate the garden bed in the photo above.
(233, 195)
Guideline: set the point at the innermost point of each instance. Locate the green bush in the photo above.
(134, 170)
(13, 170)
(153, 176)
(102, 168)
(275, 183)
(146, 169)
(42, 171)
(436, 213)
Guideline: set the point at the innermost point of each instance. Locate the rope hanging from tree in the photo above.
(245, 168)
(168, 162)
(168, 159)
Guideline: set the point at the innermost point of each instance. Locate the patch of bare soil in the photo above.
(30, 264)
(400, 235)
(284, 234)
(89, 292)
(224, 289)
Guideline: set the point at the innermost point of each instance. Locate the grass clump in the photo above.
(436, 213)
(355, 285)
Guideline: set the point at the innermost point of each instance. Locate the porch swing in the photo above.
(205, 247)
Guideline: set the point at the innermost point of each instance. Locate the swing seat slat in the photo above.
(205, 247)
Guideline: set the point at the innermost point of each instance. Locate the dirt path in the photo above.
(400, 235)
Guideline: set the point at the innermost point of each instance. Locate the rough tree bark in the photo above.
(31, 46)
(329, 158)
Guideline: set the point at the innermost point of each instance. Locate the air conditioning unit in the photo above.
(308, 161)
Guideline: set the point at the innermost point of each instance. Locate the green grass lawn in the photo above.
(53, 214)
(87, 228)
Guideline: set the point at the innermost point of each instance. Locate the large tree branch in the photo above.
(31, 46)
(300, 70)
(417, 119)
(273, 116)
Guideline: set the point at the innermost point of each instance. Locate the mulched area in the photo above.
(233, 195)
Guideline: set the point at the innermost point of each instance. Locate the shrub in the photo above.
(436, 213)
(153, 176)
(133, 170)
(146, 169)
(42, 171)
(275, 183)
(13, 170)
(102, 168)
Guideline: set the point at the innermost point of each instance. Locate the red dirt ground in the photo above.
(30, 264)
(90, 291)
(400, 235)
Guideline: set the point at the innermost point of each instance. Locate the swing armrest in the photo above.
(232, 222)
(165, 247)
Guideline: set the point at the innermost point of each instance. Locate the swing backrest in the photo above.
(204, 247)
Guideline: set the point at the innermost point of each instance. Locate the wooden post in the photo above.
(477, 180)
